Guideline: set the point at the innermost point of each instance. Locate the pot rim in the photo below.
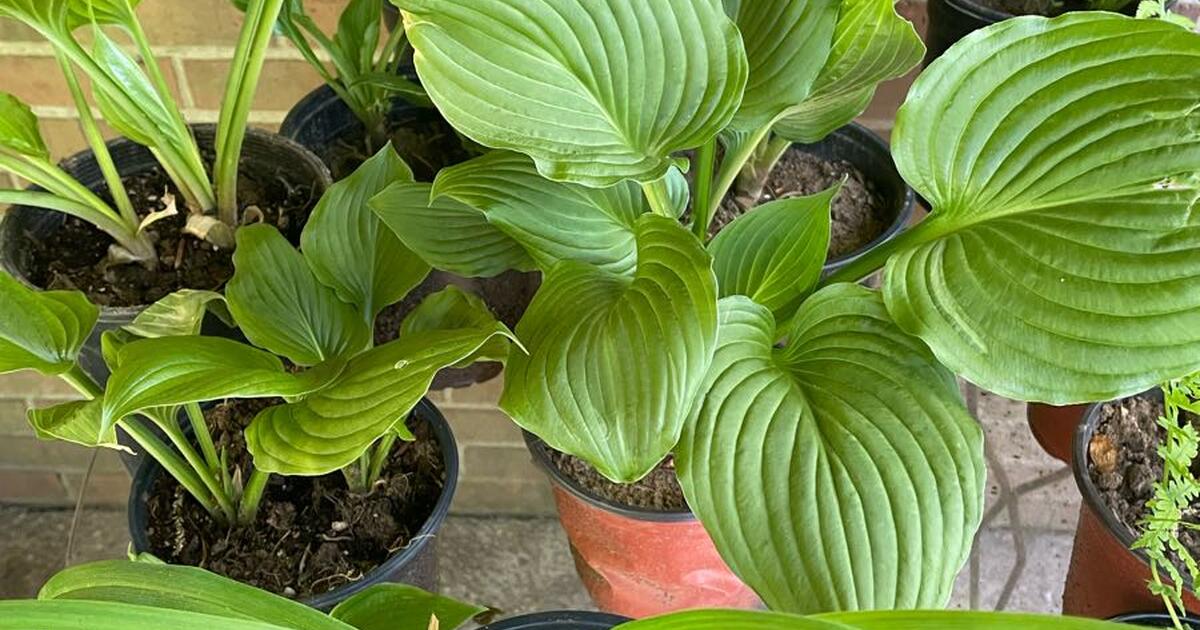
(859, 133)
(425, 410)
(991, 16)
(1133, 618)
(533, 621)
(537, 447)
(1087, 488)
(126, 314)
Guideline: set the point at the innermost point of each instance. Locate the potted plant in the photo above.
(333, 426)
(133, 220)
(803, 412)
(367, 102)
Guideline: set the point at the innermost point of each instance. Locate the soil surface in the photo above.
(1124, 464)
(860, 213)
(313, 534)
(425, 141)
(1048, 8)
(659, 491)
(75, 256)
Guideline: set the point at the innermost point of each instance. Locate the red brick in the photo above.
(526, 498)
(282, 84)
(499, 463)
(487, 393)
(31, 486)
(30, 384)
(482, 426)
(33, 454)
(103, 489)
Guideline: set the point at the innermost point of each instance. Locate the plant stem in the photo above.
(171, 463)
(77, 378)
(379, 457)
(659, 198)
(731, 167)
(702, 211)
(95, 139)
(203, 436)
(875, 259)
(138, 245)
(252, 496)
(206, 476)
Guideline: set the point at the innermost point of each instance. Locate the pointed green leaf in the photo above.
(19, 128)
(86, 12)
(350, 250)
(42, 331)
(180, 313)
(448, 234)
(881, 620)
(181, 588)
(774, 254)
(357, 35)
(787, 43)
(331, 428)
(73, 615)
(78, 422)
(1062, 260)
(872, 44)
(180, 370)
(579, 389)
(402, 607)
(452, 308)
(549, 219)
(595, 91)
(823, 469)
(280, 305)
(136, 111)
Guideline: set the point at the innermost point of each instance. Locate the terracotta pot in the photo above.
(639, 563)
(1054, 427)
(1106, 578)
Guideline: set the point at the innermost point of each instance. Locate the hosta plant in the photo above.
(134, 595)
(346, 401)
(136, 101)
(1058, 265)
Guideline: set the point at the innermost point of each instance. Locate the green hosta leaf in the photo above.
(180, 313)
(872, 44)
(453, 308)
(350, 250)
(73, 615)
(553, 221)
(331, 428)
(580, 388)
(136, 111)
(19, 128)
(882, 620)
(180, 370)
(279, 304)
(596, 91)
(1062, 261)
(787, 43)
(78, 422)
(357, 34)
(850, 440)
(774, 254)
(85, 12)
(180, 588)
(448, 234)
(403, 607)
(42, 331)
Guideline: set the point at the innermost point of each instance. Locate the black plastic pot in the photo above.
(1155, 620)
(870, 154)
(416, 564)
(263, 151)
(560, 620)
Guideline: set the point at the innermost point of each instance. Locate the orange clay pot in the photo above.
(1106, 578)
(639, 563)
(1054, 427)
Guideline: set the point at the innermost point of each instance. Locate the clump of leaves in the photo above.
(1158, 9)
(1174, 495)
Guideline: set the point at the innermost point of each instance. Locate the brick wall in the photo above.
(194, 41)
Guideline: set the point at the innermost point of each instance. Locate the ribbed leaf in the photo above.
(86, 12)
(453, 308)
(78, 422)
(136, 111)
(872, 44)
(614, 361)
(787, 43)
(180, 370)
(774, 254)
(882, 620)
(42, 331)
(181, 588)
(350, 250)
(553, 221)
(839, 472)
(180, 313)
(448, 234)
(73, 615)
(279, 304)
(331, 428)
(1062, 261)
(596, 91)
(19, 128)
(403, 607)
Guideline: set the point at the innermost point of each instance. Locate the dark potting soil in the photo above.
(426, 143)
(859, 212)
(75, 258)
(1048, 8)
(312, 534)
(659, 491)
(1124, 464)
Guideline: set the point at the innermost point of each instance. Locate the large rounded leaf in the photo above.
(840, 471)
(1062, 262)
(596, 91)
(881, 620)
(614, 361)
